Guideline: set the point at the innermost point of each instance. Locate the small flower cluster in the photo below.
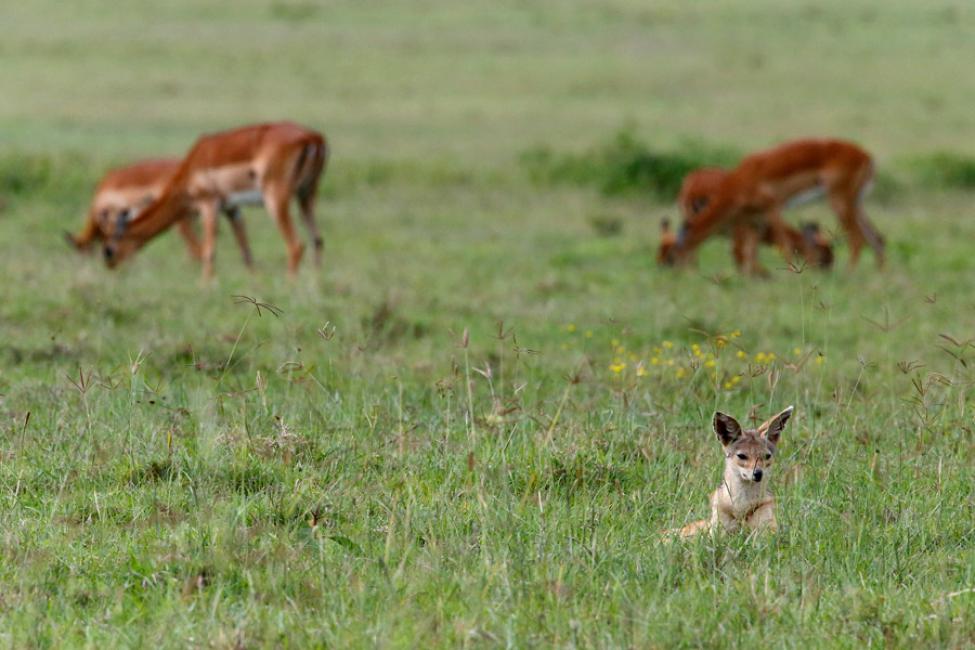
(666, 360)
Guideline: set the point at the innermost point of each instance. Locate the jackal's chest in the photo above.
(739, 507)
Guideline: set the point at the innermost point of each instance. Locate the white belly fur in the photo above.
(806, 196)
(247, 197)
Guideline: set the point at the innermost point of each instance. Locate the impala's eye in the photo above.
(743, 456)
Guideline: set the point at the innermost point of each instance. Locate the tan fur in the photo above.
(742, 503)
(278, 160)
(748, 201)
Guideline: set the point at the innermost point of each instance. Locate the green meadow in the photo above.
(469, 428)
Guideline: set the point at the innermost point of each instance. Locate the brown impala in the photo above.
(747, 201)
(269, 163)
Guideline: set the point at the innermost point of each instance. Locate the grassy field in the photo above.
(180, 469)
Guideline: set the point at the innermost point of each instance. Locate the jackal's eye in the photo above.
(743, 456)
(768, 456)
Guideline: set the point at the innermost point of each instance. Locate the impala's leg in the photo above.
(847, 203)
(209, 212)
(306, 203)
(738, 248)
(874, 238)
(240, 234)
(747, 239)
(188, 233)
(276, 199)
(780, 232)
(844, 205)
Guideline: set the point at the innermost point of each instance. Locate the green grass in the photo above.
(178, 470)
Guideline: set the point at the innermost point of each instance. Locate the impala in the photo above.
(695, 193)
(269, 163)
(125, 191)
(747, 201)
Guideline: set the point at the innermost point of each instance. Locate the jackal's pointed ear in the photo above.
(772, 428)
(727, 428)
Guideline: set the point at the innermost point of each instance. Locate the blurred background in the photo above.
(482, 81)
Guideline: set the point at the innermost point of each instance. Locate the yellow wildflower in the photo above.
(710, 363)
(641, 371)
(654, 361)
(588, 334)
(667, 345)
(797, 352)
(618, 367)
(741, 354)
(680, 373)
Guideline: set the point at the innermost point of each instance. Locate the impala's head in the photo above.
(697, 192)
(665, 254)
(100, 226)
(818, 247)
(117, 251)
(119, 242)
(749, 452)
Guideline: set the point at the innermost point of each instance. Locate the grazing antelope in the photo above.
(269, 163)
(748, 200)
(125, 191)
(742, 501)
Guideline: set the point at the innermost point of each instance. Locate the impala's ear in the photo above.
(771, 429)
(77, 243)
(727, 428)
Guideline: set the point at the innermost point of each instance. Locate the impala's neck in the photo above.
(159, 215)
(694, 231)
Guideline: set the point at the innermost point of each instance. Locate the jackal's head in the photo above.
(749, 452)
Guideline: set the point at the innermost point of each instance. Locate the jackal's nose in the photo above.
(757, 474)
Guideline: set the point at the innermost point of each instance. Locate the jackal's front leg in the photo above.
(763, 519)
